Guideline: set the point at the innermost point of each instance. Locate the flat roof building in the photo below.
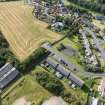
(70, 76)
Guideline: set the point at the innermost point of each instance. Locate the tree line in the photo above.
(7, 56)
(55, 86)
(94, 6)
(4, 50)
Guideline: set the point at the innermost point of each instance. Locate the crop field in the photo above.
(23, 32)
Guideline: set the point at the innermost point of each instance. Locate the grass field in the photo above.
(22, 31)
(34, 92)
(29, 89)
(74, 43)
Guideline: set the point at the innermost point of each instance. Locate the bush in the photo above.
(90, 5)
(68, 97)
(91, 68)
(7, 56)
(4, 50)
(51, 83)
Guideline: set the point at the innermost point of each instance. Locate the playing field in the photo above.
(22, 31)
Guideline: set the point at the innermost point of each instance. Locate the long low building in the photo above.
(8, 74)
(59, 68)
(60, 58)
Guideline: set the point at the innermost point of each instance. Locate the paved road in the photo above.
(97, 43)
(70, 65)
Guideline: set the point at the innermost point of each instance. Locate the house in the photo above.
(58, 26)
(8, 74)
(90, 57)
(100, 17)
(101, 87)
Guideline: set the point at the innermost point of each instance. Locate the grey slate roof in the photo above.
(76, 80)
(52, 63)
(8, 79)
(62, 71)
(5, 69)
(59, 58)
(59, 68)
(7, 74)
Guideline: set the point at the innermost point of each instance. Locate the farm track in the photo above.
(20, 29)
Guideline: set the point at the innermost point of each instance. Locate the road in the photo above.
(70, 65)
(102, 52)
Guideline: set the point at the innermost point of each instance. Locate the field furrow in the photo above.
(23, 32)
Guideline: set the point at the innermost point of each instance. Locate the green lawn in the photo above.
(35, 93)
(73, 42)
(78, 93)
(29, 89)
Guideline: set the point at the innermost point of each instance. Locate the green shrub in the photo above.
(51, 83)
(68, 97)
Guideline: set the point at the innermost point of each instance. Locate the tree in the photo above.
(103, 9)
(68, 97)
(101, 1)
(89, 4)
(92, 68)
(49, 82)
(0, 98)
(68, 21)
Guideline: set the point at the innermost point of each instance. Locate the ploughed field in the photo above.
(23, 32)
